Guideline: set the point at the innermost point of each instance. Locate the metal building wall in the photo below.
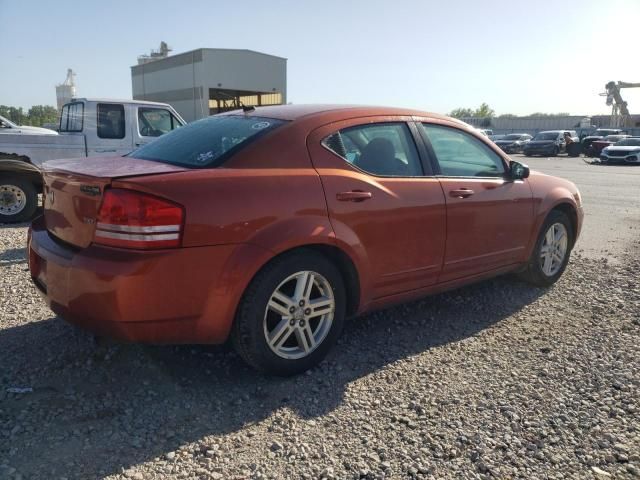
(184, 80)
(534, 125)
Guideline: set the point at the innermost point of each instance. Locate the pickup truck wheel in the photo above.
(291, 314)
(18, 200)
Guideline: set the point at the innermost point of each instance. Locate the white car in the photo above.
(625, 151)
(7, 126)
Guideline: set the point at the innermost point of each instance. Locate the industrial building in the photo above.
(66, 90)
(207, 81)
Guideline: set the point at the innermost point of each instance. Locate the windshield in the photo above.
(6, 123)
(546, 136)
(613, 138)
(207, 142)
(629, 142)
(513, 136)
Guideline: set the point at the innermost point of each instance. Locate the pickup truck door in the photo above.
(106, 129)
(149, 122)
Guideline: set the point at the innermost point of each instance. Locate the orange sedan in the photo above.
(271, 225)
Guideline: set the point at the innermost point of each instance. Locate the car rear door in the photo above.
(381, 201)
(489, 216)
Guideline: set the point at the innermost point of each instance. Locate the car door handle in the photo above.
(353, 196)
(461, 193)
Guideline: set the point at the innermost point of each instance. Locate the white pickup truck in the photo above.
(89, 127)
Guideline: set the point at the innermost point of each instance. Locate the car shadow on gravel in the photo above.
(97, 410)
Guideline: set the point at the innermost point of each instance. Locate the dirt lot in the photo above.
(496, 380)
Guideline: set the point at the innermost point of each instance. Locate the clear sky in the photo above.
(519, 57)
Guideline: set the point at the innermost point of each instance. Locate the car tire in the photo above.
(280, 343)
(538, 272)
(18, 199)
(555, 152)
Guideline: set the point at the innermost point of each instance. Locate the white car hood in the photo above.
(26, 130)
(622, 148)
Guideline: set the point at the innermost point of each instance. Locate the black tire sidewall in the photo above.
(248, 333)
(32, 199)
(536, 269)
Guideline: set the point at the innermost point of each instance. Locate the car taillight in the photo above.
(132, 219)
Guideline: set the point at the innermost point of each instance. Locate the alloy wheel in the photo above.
(299, 315)
(553, 249)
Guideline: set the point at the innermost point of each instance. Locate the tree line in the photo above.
(485, 111)
(36, 116)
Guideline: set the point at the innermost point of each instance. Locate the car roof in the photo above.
(295, 112)
(114, 100)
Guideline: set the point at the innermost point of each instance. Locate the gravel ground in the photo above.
(496, 380)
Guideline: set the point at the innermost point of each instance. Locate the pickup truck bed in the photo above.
(40, 148)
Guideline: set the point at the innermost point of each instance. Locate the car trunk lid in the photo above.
(73, 191)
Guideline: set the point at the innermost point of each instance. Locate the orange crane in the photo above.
(620, 116)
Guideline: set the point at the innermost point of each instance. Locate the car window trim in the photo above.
(434, 158)
(355, 167)
(423, 151)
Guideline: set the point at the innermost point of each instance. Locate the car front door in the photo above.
(489, 216)
(381, 202)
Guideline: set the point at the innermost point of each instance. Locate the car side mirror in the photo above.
(518, 171)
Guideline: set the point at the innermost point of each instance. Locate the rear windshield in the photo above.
(207, 142)
(513, 136)
(546, 136)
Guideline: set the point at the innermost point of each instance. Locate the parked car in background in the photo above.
(274, 224)
(598, 134)
(595, 149)
(549, 142)
(486, 132)
(626, 150)
(514, 142)
(8, 127)
(88, 128)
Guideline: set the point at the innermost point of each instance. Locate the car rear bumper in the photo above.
(167, 296)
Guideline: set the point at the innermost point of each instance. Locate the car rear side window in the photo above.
(382, 149)
(207, 142)
(462, 155)
(111, 120)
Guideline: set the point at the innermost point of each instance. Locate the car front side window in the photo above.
(381, 149)
(462, 155)
(153, 122)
